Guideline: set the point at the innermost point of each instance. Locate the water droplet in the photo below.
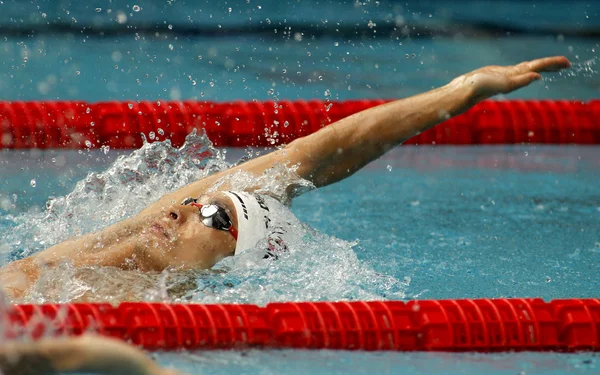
(136, 8)
(88, 110)
(389, 168)
(170, 27)
(88, 144)
(130, 105)
(160, 131)
(152, 135)
(171, 47)
(121, 18)
(98, 10)
(32, 182)
(44, 15)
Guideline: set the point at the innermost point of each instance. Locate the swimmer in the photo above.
(192, 229)
(85, 354)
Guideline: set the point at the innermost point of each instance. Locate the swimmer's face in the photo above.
(177, 237)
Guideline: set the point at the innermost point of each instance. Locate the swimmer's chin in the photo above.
(155, 252)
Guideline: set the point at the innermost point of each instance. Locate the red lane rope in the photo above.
(238, 124)
(482, 325)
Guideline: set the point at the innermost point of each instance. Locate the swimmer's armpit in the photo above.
(87, 354)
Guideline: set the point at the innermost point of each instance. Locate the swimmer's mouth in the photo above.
(160, 229)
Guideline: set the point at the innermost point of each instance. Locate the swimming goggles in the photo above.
(213, 216)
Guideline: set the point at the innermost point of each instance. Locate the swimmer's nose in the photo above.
(175, 215)
(182, 213)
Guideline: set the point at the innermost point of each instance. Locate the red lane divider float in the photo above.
(239, 124)
(445, 325)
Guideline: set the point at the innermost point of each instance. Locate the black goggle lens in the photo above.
(211, 215)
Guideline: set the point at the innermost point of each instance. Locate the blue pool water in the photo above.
(422, 222)
(339, 362)
(253, 67)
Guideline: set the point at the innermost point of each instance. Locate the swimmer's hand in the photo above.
(85, 354)
(492, 80)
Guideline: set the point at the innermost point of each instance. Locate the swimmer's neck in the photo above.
(114, 246)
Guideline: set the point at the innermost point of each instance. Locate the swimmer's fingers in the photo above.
(521, 80)
(491, 80)
(546, 64)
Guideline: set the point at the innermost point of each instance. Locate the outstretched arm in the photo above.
(337, 151)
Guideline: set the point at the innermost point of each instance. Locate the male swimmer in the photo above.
(193, 229)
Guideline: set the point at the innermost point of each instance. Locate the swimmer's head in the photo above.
(199, 232)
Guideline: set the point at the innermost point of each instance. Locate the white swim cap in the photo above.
(254, 223)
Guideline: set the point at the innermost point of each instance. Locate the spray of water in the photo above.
(316, 267)
(582, 69)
